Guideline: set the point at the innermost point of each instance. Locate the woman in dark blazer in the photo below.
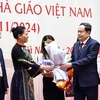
(3, 77)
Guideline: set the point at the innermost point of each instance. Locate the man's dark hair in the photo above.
(88, 27)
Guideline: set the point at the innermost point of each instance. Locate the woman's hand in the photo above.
(46, 68)
(48, 74)
(6, 92)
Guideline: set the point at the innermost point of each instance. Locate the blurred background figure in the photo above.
(3, 76)
(50, 90)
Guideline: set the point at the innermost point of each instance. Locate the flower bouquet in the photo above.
(57, 55)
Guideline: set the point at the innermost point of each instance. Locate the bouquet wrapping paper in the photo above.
(58, 56)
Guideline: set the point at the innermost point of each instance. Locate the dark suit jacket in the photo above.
(85, 63)
(5, 82)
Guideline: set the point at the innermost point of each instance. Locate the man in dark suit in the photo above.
(84, 62)
(3, 77)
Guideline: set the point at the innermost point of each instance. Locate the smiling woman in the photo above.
(24, 67)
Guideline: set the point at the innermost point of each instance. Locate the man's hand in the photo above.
(66, 66)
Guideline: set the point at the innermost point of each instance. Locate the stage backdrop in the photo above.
(59, 18)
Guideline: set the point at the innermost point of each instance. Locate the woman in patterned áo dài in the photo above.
(22, 87)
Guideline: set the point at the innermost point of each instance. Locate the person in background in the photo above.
(84, 62)
(25, 69)
(50, 90)
(3, 76)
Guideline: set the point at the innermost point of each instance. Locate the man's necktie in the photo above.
(80, 46)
